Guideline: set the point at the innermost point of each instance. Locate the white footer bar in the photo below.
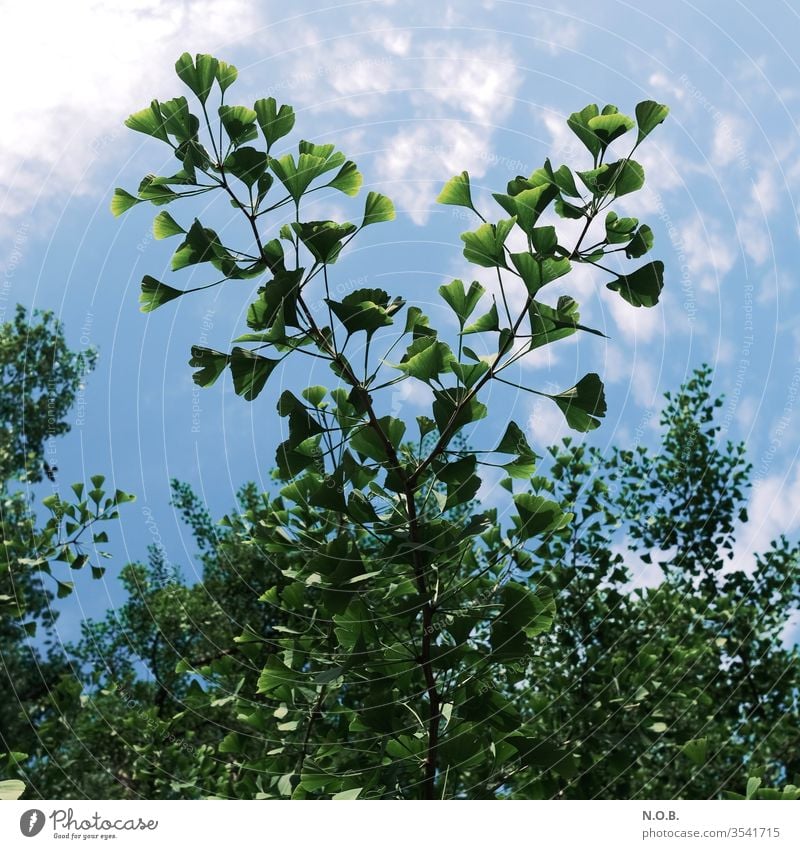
(374, 825)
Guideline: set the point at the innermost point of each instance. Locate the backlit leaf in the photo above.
(198, 75)
(378, 208)
(275, 122)
(154, 294)
(164, 226)
(348, 180)
(456, 191)
(649, 115)
(239, 123)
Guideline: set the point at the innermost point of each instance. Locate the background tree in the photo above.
(685, 686)
(39, 379)
(41, 376)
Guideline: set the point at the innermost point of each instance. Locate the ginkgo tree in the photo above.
(399, 608)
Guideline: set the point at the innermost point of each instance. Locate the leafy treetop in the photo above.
(401, 622)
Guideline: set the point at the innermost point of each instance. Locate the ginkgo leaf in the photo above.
(155, 294)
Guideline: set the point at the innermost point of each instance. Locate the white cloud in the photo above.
(410, 392)
(752, 225)
(564, 144)
(547, 423)
(349, 76)
(728, 144)
(637, 325)
(456, 82)
(479, 82)
(776, 284)
(661, 81)
(393, 40)
(754, 238)
(81, 68)
(557, 30)
(765, 192)
(666, 171)
(774, 509)
(710, 254)
(746, 412)
(420, 158)
(491, 494)
(643, 575)
(457, 92)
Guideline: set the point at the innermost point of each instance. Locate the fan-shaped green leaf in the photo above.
(226, 75)
(485, 246)
(198, 75)
(365, 309)
(426, 358)
(11, 789)
(525, 614)
(456, 191)
(531, 203)
(629, 177)
(246, 163)
(696, 750)
(148, 121)
(642, 287)
(347, 794)
(155, 191)
(514, 441)
(584, 404)
(378, 208)
(250, 372)
(200, 245)
(486, 323)
(461, 301)
(210, 363)
(539, 515)
(239, 123)
(649, 115)
(275, 122)
(323, 238)
(578, 122)
(178, 120)
(641, 243)
(367, 442)
(536, 273)
(453, 409)
(619, 230)
(122, 201)
(164, 226)
(348, 180)
(610, 127)
(154, 294)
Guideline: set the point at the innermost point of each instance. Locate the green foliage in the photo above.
(400, 603)
(682, 688)
(41, 379)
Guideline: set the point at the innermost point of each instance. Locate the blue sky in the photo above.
(414, 92)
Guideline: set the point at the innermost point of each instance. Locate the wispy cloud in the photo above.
(710, 252)
(462, 94)
(81, 68)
